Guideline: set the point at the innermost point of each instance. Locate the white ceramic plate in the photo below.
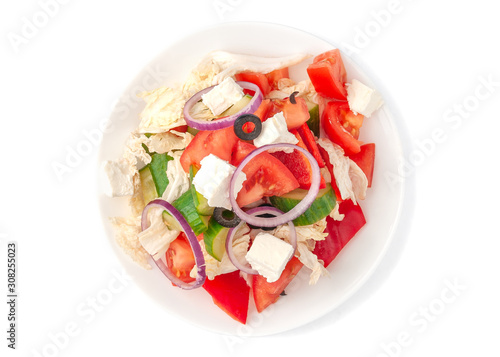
(354, 264)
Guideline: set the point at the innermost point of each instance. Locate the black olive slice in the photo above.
(292, 97)
(241, 121)
(226, 218)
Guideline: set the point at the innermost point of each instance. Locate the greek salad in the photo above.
(241, 176)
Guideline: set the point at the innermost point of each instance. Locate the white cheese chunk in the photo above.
(119, 177)
(274, 131)
(222, 96)
(269, 255)
(362, 99)
(213, 179)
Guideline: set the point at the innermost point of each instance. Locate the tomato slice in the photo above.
(340, 232)
(365, 159)
(231, 293)
(342, 126)
(328, 75)
(258, 79)
(180, 258)
(298, 164)
(274, 77)
(218, 142)
(266, 175)
(265, 294)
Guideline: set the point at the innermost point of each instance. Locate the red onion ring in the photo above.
(231, 233)
(225, 122)
(300, 208)
(193, 242)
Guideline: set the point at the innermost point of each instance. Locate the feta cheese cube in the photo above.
(269, 255)
(274, 130)
(213, 179)
(222, 96)
(119, 178)
(362, 99)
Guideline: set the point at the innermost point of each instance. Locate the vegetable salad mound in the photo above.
(241, 177)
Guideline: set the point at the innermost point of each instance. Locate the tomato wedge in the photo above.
(266, 175)
(231, 293)
(274, 77)
(342, 126)
(218, 142)
(365, 159)
(295, 114)
(333, 56)
(265, 294)
(180, 258)
(258, 79)
(264, 110)
(328, 75)
(340, 232)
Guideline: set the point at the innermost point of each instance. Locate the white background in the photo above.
(62, 79)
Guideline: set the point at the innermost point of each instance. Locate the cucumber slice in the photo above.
(148, 186)
(200, 202)
(236, 107)
(323, 204)
(158, 167)
(185, 205)
(313, 122)
(171, 222)
(215, 239)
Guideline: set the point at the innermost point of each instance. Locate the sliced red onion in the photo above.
(225, 122)
(300, 208)
(193, 242)
(231, 233)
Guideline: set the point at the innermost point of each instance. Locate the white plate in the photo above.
(354, 264)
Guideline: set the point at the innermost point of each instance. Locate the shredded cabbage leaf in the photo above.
(168, 141)
(287, 86)
(127, 232)
(163, 111)
(350, 179)
(306, 238)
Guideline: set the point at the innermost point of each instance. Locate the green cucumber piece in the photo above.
(192, 131)
(313, 122)
(215, 239)
(171, 222)
(185, 205)
(158, 167)
(148, 186)
(236, 107)
(200, 202)
(323, 204)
